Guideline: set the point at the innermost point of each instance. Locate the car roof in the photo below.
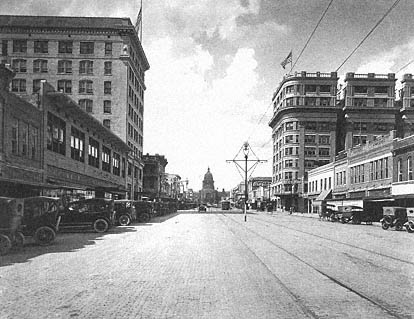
(42, 197)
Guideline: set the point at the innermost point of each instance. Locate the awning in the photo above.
(323, 195)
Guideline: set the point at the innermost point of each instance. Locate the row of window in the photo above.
(65, 86)
(135, 117)
(308, 101)
(64, 47)
(308, 125)
(324, 184)
(133, 133)
(409, 169)
(369, 102)
(56, 142)
(64, 66)
(363, 89)
(300, 89)
(87, 106)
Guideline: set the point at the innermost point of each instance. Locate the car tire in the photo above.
(398, 226)
(144, 218)
(124, 220)
(44, 235)
(100, 225)
(410, 227)
(5, 244)
(19, 240)
(385, 226)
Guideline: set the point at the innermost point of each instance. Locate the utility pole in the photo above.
(246, 150)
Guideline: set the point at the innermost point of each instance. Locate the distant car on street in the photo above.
(202, 208)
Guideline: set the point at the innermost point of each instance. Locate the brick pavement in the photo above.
(200, 266)
(189, 266)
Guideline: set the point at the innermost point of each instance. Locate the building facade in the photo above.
(154, 176)
(364, 172)
(56, 147)
(364, 110)
(99, 62)
(258, 190)
(304, 127)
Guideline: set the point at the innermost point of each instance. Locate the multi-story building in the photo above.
(56, 147)
(154, 176)
(304, 126)
(99, 62)
(378, 172)
(258, 190)
(369, 109)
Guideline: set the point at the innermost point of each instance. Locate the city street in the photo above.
(215, 265)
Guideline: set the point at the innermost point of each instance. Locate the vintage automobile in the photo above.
(394, 217)
(202, 208)
(144, 211)
(11, 213)
(95, 213)
(125, 212)
(225, 205)
(41, 218)
(409, 225)
(355, 215)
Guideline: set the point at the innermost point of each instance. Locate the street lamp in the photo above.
(246, 155)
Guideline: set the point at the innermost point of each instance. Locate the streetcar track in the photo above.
(376, 303)
(306, 310)
(337, 241)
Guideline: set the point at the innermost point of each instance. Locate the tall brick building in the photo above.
(311, 123)
(99, 62)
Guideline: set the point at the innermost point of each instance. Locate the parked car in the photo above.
(41, 218)
(355, 214)
(394, 217)
(144, 211)
(96, 213)
(125, 212)
(202, 208)
(11, 213)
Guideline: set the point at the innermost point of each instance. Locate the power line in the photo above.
(306, 44)
(261, 118)
(310, 37)
(404, 66)
(369, 33)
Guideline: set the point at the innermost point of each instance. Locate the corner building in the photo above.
(98, 62)
(304, 124)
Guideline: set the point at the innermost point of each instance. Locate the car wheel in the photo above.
(124, 220)
(398, 226)
(5, 244)
(144, 218)
(44, 235)
(385, 226)
(100, 225)
(19, 240)
(410, 227)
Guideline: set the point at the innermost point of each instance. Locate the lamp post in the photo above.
(246, 155)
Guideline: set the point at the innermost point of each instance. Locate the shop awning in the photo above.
(323, 195)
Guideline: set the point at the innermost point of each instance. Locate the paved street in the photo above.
(214, 265)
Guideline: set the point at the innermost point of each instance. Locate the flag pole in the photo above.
(140, 29)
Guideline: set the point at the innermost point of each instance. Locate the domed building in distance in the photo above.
(207, 193)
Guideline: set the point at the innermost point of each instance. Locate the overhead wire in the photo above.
(310, 37)
(303, 49)
(402, 68)
(369, 33)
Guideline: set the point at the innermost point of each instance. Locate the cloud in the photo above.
(389, 61)
(193, 122)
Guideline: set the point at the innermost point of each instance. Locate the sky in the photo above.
(215, 64)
